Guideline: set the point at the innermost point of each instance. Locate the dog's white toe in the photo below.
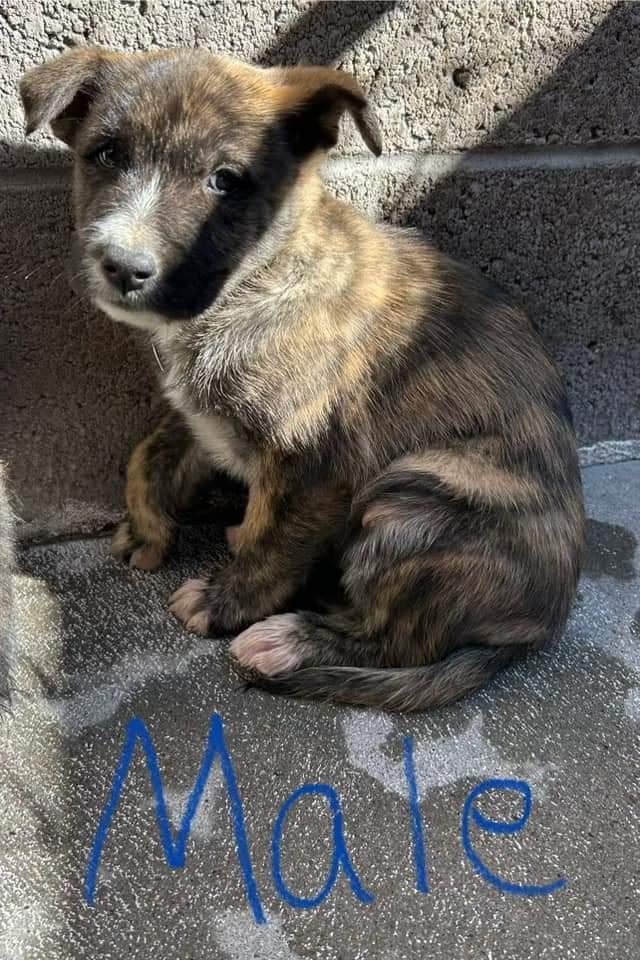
(188, 605)
(271, 646)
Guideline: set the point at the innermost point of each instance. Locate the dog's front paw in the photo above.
(129, 548)
(223, 603)
(191, 605)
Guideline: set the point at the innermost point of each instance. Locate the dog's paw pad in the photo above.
(271, 646)
(189, 604)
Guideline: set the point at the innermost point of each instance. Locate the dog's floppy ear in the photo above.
(59, 92)
(318, 98)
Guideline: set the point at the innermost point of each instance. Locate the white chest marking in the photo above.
(228, 450)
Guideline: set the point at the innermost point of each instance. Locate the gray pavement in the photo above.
(98, 649)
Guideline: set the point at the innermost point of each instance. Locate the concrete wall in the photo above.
(512, 134)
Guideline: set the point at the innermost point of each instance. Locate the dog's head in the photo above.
(186, 164)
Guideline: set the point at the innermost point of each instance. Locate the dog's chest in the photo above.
(229, 449)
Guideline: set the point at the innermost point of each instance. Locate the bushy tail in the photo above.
(395, 689)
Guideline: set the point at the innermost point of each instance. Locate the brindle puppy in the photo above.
(378, 399)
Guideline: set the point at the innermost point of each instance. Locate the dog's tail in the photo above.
(394, 689)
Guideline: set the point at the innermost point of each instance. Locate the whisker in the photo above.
(13, 273)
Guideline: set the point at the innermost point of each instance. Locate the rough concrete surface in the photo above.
(98, 648)
(79, 390)
(6, 589)
(74, 388)
(445, 75)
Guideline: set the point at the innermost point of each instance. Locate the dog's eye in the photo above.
(222, 181)
(105, 156)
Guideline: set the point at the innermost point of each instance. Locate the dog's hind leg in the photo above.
(440, 595)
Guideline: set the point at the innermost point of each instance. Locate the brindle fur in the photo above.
(384, 404)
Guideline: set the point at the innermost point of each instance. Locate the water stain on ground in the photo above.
(635, 626)
(610, 551)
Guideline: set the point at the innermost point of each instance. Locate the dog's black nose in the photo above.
(127, 269)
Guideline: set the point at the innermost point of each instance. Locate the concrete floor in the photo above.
(98, 649)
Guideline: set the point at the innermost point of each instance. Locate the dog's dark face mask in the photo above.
(185, 167)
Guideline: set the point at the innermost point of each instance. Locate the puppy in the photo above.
(383, 404)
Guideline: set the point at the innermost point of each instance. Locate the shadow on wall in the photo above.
(564, 236)
(28, 155)
(339, 25)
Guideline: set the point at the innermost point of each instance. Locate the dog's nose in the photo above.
(128, 269)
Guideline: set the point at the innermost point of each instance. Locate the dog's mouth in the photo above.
(135, 308)
(132, 300)
(132, 309)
